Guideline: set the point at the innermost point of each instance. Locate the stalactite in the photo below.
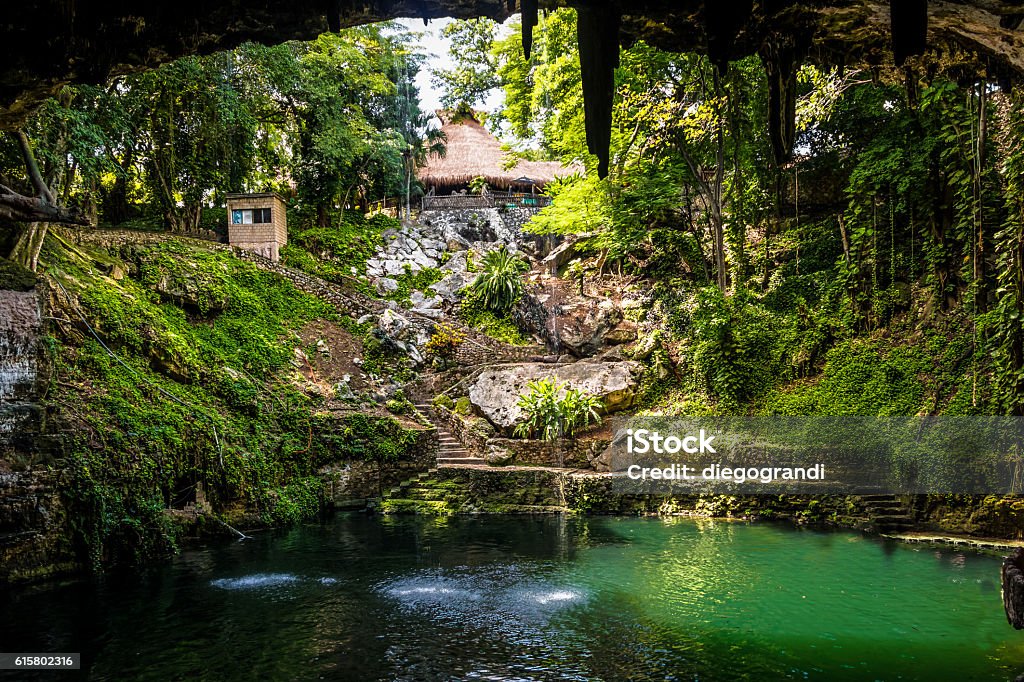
(528, 9)
(779, 56)
(598, 35)
(722, 23)
(909, 19)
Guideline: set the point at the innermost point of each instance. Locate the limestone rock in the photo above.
(449, 287)
(583, 326)
(558, 257)
(496, 391)
(625, 332)
(498, 457)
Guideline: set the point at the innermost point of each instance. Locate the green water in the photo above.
(524, 598)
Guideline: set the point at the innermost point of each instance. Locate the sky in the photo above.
(436, 49)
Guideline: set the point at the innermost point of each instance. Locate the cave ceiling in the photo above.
(50, 43)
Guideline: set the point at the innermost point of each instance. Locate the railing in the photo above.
(390, 206)
(453, 202)
(456, 201)
(520, 200)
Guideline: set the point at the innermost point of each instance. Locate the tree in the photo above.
(475, 73)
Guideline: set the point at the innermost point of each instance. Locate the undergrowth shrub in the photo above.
(552, 410)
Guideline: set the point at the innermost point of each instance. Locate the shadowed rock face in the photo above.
(47, 43)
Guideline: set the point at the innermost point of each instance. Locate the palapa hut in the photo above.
(472, 152)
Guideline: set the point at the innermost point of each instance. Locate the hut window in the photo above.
(250, 216)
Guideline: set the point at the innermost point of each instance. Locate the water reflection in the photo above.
(511, 598)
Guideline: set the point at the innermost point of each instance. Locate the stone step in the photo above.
(878, 498)
(890, 514)
(884, 505)
(894, 522)
(449, 461)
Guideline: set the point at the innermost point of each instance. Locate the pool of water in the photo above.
(533, 598)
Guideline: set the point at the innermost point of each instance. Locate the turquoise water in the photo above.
(534, 598)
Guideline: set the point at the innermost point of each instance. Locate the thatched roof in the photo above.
(473, 152)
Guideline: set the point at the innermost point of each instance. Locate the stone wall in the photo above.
(470, 225)
(34, 540)
(517, 216)
(112, 238)
(348, 485)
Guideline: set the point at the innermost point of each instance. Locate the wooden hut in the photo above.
(472, 152)
(258, 223)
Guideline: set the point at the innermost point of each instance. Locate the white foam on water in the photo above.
(558, 597)
(255, 581)
(429, 590)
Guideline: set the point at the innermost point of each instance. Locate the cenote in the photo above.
(534, 598)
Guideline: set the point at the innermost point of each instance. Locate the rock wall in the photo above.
(34, 541)
(21, 364)
(471, 225)
(517, 216)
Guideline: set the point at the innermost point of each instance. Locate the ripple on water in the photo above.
(259, 581)
(255, 581)
(472, 594)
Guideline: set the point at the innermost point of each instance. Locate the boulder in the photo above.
(558, 257)
(393, 325)
(386, 285)
(449, 287)
(495, 393)
(625, 332)
(583, 326)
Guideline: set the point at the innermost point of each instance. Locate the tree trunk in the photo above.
(26, 250)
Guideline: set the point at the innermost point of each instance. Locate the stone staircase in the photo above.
(888, 513)
(424, 494)
(450, 451)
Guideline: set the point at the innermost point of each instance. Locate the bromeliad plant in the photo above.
(444, 343)
(553, 411)
(500, 284)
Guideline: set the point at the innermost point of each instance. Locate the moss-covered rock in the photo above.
(15, 277)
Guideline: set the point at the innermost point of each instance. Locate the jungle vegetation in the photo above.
(902, 212)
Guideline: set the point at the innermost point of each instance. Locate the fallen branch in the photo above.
(20, 208)
(39, 209)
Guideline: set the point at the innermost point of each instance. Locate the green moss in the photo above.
(409, 282)
(473, 312)
(337, 253)
(201, 394)
(14, 277)
(443, 401)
